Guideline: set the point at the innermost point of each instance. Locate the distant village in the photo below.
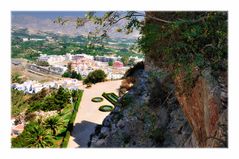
(81, 63)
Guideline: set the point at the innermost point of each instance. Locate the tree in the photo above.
(78, 76)
(62, 97)
(95, 76)
(131, 62)
(66, 74)
(69, 67)
(18, 102)
(125, 60)
(110, 63)
(34, 135)
(73, 74)
(16, 78)
(53, 123)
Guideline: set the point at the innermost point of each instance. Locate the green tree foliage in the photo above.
(186, 40)
(110, 63)
(125, 60)
(53, 123)
(16, 78)
(19, 104)
(34, 136)
(55, 101)
(66, 74)
(95, 76)
(72, 74)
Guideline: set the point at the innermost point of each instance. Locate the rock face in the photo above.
(205, 109)
(155, 113)
(145, 118)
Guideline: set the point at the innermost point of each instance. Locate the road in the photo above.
(88, 115)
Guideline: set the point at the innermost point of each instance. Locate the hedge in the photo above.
(111, 97)
(97, 99)
(71, 121)
(106, 108)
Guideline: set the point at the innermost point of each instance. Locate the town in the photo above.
(81, 63)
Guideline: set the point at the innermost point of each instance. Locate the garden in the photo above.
(47, 131)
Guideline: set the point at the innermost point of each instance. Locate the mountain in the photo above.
(36, 25)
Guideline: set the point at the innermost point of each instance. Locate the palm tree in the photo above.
(38, 137)
(53, 123)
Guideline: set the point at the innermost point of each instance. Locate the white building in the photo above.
(68, 56)
(51, 59)
(25, 39)
(58, 69)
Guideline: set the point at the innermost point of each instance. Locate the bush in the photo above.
(95, 76)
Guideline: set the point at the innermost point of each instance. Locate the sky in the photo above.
(52, 14)
(36, 21)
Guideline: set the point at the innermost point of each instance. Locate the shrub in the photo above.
(95, 76)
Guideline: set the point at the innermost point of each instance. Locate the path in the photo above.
(88, 115)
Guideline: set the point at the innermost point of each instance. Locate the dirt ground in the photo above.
(22, 70)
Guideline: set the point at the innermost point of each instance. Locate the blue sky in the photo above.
(52, 14)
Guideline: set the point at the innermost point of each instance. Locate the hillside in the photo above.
(54, 44)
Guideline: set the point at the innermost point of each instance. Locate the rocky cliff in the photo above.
(180, 98)
(149, 116)
(154, 113)
(205, 107)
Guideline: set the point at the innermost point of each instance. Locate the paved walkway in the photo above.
(88, 115)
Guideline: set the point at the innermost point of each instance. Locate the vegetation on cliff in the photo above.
(186, 41)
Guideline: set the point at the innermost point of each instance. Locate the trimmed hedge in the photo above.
(111, 97)
(97, 99)
(71, 121)
(106, 108)
(66, 139)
